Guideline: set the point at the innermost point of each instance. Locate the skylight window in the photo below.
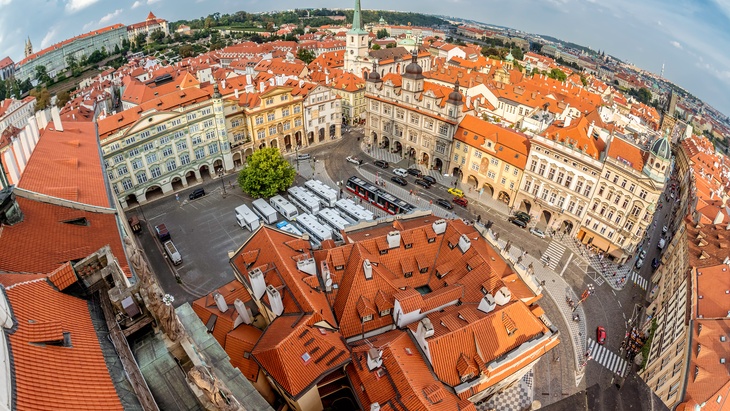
(306, 357)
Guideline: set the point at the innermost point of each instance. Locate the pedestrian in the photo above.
(177, 197)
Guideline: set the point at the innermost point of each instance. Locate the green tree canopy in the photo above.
(376, 47)
(41, 74)
(305, 55)
(266, 173)
(62, 98)
(157, 36)
(43, 98)
(382, 33)
(557, 74)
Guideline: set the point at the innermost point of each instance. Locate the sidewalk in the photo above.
(615, 275)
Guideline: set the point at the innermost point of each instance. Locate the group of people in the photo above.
(635, 340)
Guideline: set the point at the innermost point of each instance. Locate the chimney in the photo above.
(67, 339)
(307, 266)
(375, 406)
(718, 218)
(244, 313)
(248, 79)
(393, 239)
(262, 85)
(502, 296)
(56, 119)
(425, 329)
(367, 269)
(277, 307)
(220, 302)
(487, 304)
(375, 358)
(258, 284)
(439, 226)
(590, 128)
(223, 84)
(464, 243)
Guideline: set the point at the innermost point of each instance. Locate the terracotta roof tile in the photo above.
(63, 276)
(51, 376)
(627, 153)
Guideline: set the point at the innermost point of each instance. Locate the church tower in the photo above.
(659, 160)
(28, 48)
(356, 48)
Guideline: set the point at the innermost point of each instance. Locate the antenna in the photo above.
(662, 73)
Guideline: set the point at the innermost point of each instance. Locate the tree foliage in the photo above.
(41, 74)
(305, 55)
(43, 98)
(62, 98)
(266, 173)
(376, 47)
(382, 33)
(157, 36)
(557, 74)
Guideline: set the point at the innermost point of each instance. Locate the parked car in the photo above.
(197, 193)
(399, 180)
(444, 203)
(664, 229)
(303, 157)
(162, 233)
(400, 172)
(353, 160)
(643, 254)
(456, 192)
(414, 172)
(430, 179)
(461, 201)
(523, 216)
(655, 263)
(381, 163)
(517, 222)
(422, 183)
(537, 232)
(639, 263)
(600, 335)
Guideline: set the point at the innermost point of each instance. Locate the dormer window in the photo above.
(407, 246)
(385, 312)
(367, 318)
(423, 270)
(408, 274)
(384, 251)
(467, 377)
(432, 240)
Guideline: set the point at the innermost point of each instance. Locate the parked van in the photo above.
(172, 252)
(246, 218)
(264, 210)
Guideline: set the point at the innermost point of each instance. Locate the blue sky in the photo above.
(690, 37)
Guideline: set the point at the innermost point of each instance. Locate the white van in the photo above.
(172, 252)
(246, 218)
(401, 172)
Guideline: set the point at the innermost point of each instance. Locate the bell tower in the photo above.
(28, 48)
(356, 48)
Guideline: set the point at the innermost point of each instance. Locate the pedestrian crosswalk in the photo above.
(642, 282)
(551, 257)
(607, 358)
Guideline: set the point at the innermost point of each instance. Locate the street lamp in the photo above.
(587, 293)
(221, 174)
(296, 150)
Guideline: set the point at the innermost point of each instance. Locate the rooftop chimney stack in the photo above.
(277, 306)
(244, 313)
(220, 302)
(56, 119)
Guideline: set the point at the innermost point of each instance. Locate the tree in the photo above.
(305, 55)
(41, 74)
(517, 53)
(157, 36)
(382, 33)
(266, 173)
(61, 99)
(42, 97)
(376, 47)
(557, 74)
(644, 95)
(140, 39)
(71, 61)
(390, 46)
(186, 51)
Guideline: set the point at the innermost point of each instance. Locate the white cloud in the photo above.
(5, 2)
(75, 5)
(136, 4)
(110, 16)
(48, 38)
(89, 25)
(676, 44)
(153, 1)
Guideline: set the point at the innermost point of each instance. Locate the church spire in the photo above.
(357, 20)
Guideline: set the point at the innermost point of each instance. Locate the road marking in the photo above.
(614, 292)
(619, 303)
(607, 358)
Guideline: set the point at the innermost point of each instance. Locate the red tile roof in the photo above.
(67, 165)
(69, 41)
(576, 134)
(297, 353)
(49, 376)
(509, 146)
(628, 153)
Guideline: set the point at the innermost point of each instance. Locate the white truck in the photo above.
(264, 210)
(172, 252)
(246, 218)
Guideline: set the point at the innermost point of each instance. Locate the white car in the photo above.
(664, 229)
(353, 160)
(400, 172)
(538, 233)
(643, 254)
(639, 262)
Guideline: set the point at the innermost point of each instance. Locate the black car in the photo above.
(197, 193)
(655, 263)
(414, 172)
(523, 216)
(399, 180)
(444, 203)
(430, 179)
(517, 222)
(381, 163)
(422, 183)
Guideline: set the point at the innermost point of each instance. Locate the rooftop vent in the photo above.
(502, 296)
(464, 243)
(393, 239)
(439, 226)
(367, 269)
(220, 302)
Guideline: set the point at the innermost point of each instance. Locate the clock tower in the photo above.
(356, 49)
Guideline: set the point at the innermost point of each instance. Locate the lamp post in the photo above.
(587, 293)
(222, 174)
(296, 150)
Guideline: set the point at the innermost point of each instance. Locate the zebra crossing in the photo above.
(607, 358)
(551, 257)
(642, 282)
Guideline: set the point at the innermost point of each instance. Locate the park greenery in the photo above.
(266, 173)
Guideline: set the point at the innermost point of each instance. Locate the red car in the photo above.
(601, 335)
(461, 201)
